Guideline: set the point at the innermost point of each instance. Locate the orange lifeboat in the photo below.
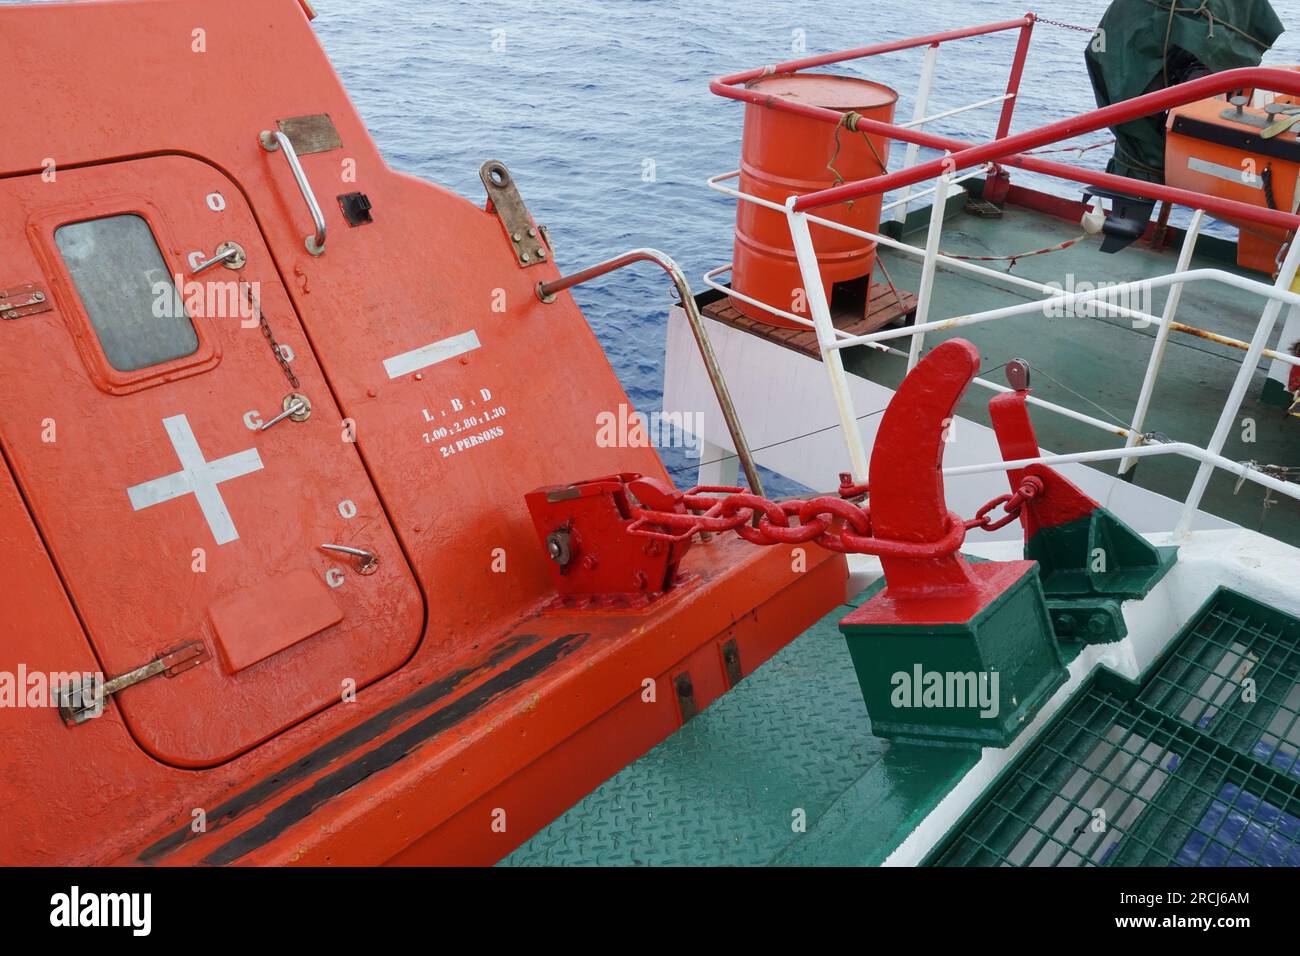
(783, 155)
(273, 411)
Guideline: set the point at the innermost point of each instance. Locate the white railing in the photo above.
(921, 103)
(832, 340)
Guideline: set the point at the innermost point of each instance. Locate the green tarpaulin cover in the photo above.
(1145, 45)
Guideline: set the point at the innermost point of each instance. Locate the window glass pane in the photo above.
(127, 292)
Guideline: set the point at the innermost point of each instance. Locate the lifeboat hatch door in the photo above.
(132, 418)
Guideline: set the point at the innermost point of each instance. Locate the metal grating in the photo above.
(1195, 766)
(1236, 676)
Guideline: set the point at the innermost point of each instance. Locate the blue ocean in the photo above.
(601, 109)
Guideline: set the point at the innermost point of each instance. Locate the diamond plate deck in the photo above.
(728, 788)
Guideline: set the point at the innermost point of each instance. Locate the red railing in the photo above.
(1008, 150)
(732, 88)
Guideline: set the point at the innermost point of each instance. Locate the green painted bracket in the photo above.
(1088, 567)
(973, 681)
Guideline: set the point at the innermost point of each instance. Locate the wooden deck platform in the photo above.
(886, 309)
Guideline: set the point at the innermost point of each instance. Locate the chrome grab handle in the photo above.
(272, 140)
(547, 291)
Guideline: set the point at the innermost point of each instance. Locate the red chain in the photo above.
(837, 524)
(1030, 487)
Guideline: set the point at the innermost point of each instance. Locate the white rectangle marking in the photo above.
(1219, 171)
(431, 354)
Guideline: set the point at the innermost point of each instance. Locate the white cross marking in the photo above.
(197, 477)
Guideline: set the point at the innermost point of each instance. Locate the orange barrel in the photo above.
(783, 154)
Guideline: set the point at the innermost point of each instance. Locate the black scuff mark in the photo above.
(301, 805)
(331, 750)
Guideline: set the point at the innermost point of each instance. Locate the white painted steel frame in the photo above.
(832, 340)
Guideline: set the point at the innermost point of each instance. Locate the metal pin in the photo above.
(233, 252)
(367, 561)
(294, 408)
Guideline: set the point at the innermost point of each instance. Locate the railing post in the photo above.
(1013, 81)
(1249, 365)
(1161, 340)
(928, 66)
(820, 311)
(939, 202)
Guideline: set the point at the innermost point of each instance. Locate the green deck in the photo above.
(1104, 359)
(728, 787)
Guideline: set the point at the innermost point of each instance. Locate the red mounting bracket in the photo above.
(1060, 501)
(597, 559)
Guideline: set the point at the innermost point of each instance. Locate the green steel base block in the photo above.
(1087, 620)
(1097, 556)
(966, 671)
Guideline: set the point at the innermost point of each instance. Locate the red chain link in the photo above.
(837, 524)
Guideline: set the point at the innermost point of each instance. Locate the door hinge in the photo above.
(81, 702)
(26, 299)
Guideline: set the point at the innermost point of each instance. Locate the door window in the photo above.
(127, 292)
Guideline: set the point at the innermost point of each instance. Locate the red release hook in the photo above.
(906, 480)
(1061, 500)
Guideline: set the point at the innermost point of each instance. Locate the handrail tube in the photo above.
(956, 110)
(928, 266)
(1278, 81)
(832, 360)
(1228, 417)
(546, 291)
(1275, 295)
(1048, 167)
(1162, 339)
(892, 46)
(1017, 71)
(929, 66)
(1110, 308)
(1186, 449)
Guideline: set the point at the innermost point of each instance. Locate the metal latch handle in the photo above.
(367, 562)
(80, 702)
(272, 140)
